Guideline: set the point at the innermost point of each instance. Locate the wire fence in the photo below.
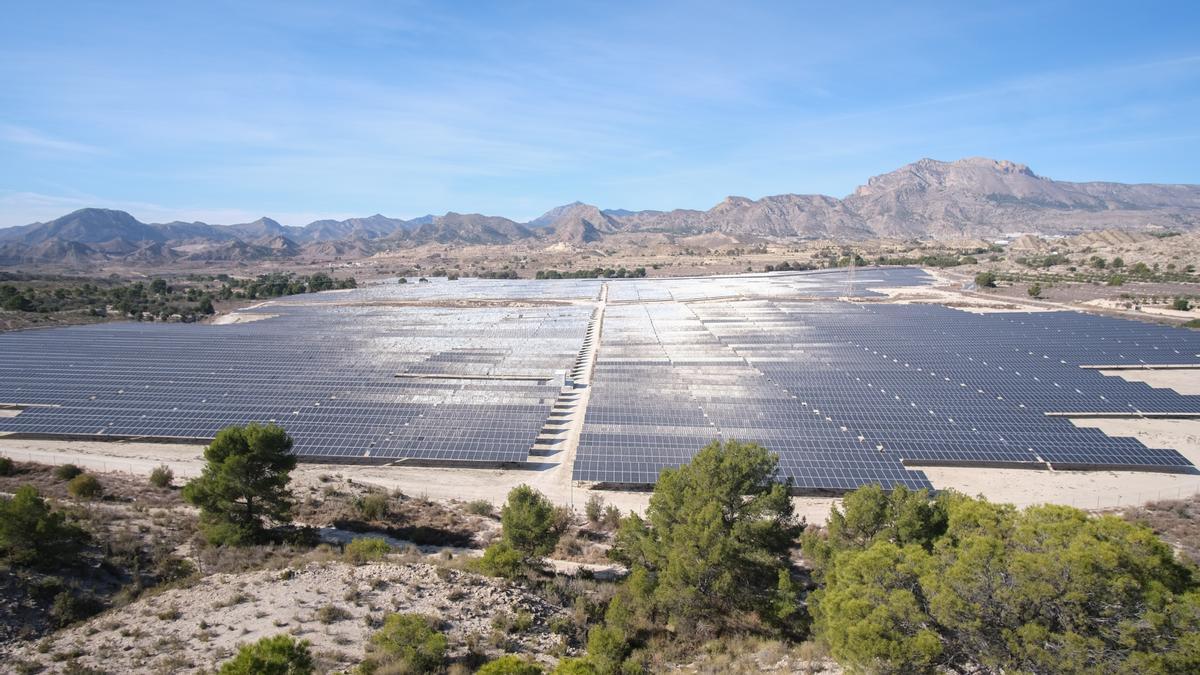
(1118, 500)
(131, 466)
(1108, 501)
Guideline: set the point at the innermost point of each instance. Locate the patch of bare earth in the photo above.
(1177, 521)
(135, 533)
(333, 605)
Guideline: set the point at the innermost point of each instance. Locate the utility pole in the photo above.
(850, 277)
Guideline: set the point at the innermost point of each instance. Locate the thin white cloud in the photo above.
(31, 138)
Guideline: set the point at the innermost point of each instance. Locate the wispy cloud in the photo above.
(31, 138)
(509, 108)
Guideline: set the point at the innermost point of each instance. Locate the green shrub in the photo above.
(528, 522)
(612, 517)
(85, 486)
(373, 506)
(502, 560)
(366, 549)
(407, 643)
(606, 649)
(510, 664)
(31, 534)
(594, 509)
(69, 608)
(7, 468)
(277, 655)
(162, 476)
(985, 280)
(1182, 305)
(481, 507)
(1035, 291)
(575, 667)
(328, 614)
(244, 486)
(913, 583)
(67, 472)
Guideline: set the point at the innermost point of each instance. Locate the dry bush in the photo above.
(1177, 521)
(162, 476)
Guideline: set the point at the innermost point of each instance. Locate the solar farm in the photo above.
(613, 380)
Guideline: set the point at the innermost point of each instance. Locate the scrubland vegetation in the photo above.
(594, 273)
(183, 299)
(719, 573)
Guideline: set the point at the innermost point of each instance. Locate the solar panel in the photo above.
(467, 373)
(324, 370)
(848, 394)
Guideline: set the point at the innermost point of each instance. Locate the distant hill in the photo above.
(929, 199)
(577, 223)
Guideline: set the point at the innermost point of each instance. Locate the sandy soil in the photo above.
(945, 291)
(239, 317)
(1148, 309)
(1184, 381)
(1089, 489)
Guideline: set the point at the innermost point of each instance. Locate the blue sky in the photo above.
(224, 111)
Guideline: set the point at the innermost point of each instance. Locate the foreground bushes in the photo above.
(362, 550)
(407, 643)
(85, 486)
(244, 486)
(711, 557)
(32, 534)
(530, 529)
(918, 584)
(162, 476)
(277, 655)
(714, 542)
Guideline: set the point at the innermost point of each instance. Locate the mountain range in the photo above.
(929, 199)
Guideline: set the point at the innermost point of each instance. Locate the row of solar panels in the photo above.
(821, 383)
(327, 372)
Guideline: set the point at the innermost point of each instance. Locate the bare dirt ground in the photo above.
(436, 483)
(1093, 490)
(1185, 381)
(1164, 310)
(1145, 301)
(947, 294)
(334, 605)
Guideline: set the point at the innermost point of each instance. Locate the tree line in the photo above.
(158, 299)
(594, 273)
(138, 300)
(276, 284)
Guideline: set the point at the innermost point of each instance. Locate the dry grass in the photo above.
(1177, 521)
(745, 655)
(119, 488)
(135, 530)
(355, 507)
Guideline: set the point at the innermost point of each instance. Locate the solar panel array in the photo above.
(466, 372)
(327, 372)
(665, 385)
(855, 393)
